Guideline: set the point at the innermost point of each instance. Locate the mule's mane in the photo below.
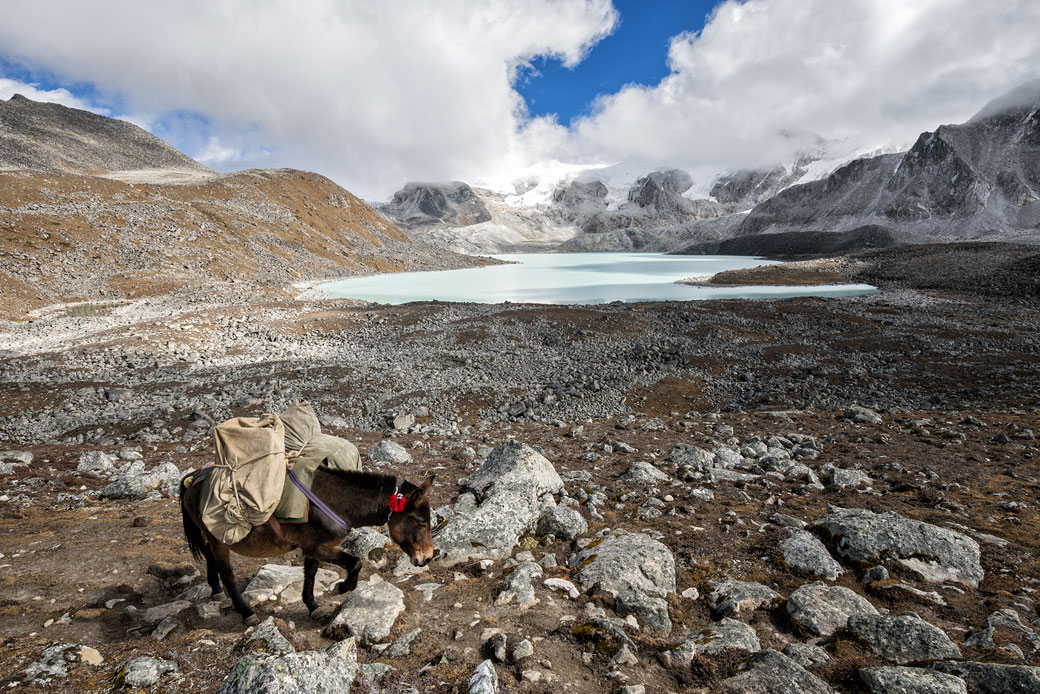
(368, 481)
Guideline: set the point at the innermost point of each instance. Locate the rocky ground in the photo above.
(799, 495)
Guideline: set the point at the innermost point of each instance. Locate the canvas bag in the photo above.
(308, 448)
(247, 479)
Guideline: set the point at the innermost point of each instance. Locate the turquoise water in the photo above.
(573, 278)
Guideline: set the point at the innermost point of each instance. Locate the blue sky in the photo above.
(636, 52)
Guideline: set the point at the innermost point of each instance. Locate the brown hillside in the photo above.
(66, 237)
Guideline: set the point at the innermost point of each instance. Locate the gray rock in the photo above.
(144, 672)
(730, 459)
(806, 654)
(402, 645)
(729, 597)
(910, 680)
(484, 679)
(804, 551)
(652, 612)
(388, 452)
(862, 415)
(367, 544)
(56, 660)
(308, 672)
(875, 574)
(845, 477)
(633, 564)
(158, 613)
(698, 458)
(904, 638)
(1006, 619)
(644, 473)
(511, 490)
(563, 522)
(284, 583)
(368, 613)
(17, 457)
(268, 634)
(994, 678)
(822, 610)
(716, 637)
(519, 590)
(937, 554)
(770, 672)
(404, 422)
(97, 462)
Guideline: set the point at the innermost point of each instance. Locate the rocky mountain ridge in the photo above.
(97, 209)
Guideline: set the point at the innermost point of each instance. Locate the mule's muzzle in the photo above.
(422, 558)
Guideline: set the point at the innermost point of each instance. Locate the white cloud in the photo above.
(371, 94)
(374, 94)
(871, 72)
(9, 88)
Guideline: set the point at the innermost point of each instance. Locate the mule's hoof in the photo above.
(251, 621)
(323, 613)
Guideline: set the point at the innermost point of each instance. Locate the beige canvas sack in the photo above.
(247, 480)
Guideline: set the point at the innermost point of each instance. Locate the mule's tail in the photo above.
(196, 543)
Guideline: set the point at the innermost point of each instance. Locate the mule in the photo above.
(359, 498)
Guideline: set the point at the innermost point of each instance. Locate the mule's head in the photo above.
(410, 527)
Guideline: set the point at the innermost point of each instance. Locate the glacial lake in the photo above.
(574, 278)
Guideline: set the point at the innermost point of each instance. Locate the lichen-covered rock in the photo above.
(388, 452)
(563, 522)
(804, 551)
(284, 583)
(730, 597)
(770, 672)
(904, 638)
(822, 610)
(994, 678)
(484, 679)
(56, 660)
(644, 474)
(269, 638)
(368, 613)
(519, 590)
(331, 671)
(635, 566)
(509, 493)
(718, 636)
(910, 680)
(367, 544)
(144, 672)
(806, 654)
(1006, 619)
(937, 554)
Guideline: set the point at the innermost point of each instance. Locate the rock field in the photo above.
(799, 495)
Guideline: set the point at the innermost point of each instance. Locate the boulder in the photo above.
(306, 672)
(267, 636)
(729, 597)
(644, 474)
(936, 554)
(507, 495)
(519, 590)
(144, 672)
(367, 544)
(994, 678)
(910, 680)
(770, 672)
(822, 610)
(56, 660)
(1006, 619)
(388, 452)
(368, 613)
(803, 551)
(635, 568)
(698, 458)
(862, 415)
(563, 522)
(717, 637)
(484, 679)
(284, 583)
(806, 654)
(904, 638)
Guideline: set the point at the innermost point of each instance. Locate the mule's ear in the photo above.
(426, 484)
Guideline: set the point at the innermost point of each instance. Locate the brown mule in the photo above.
(359, 498)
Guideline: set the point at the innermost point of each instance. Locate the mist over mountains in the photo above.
(976, 180)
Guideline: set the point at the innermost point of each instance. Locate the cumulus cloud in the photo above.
(763, 75)
(371, 94)
(374, 94)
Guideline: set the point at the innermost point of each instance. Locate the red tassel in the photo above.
(397, 502)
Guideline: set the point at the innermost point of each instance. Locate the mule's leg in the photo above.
(212, 573)
(310, 570)
(222, 559)
(352, 564)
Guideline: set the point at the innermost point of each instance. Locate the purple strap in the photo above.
(318, 503)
